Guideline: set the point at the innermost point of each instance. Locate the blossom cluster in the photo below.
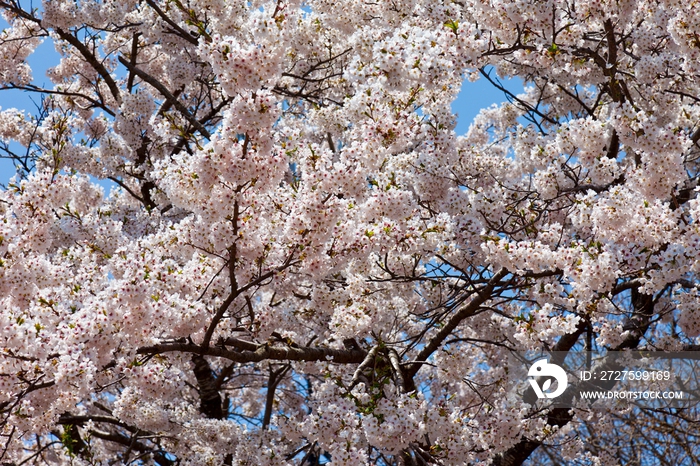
(300, 261)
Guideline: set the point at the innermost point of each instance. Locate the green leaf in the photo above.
(452, 24)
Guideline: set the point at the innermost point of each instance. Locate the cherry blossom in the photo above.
(297, 260)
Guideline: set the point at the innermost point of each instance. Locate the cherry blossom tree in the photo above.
(301, 263)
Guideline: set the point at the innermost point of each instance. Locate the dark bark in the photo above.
(210, 399)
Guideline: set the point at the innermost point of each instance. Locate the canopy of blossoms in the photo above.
(300, 261)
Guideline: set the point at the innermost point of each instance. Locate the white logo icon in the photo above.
(541, 368)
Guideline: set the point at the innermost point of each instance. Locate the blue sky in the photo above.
(41, 60)
(473, 96)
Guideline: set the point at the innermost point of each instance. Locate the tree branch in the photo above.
(180, 32)
(263, 352)
(93, 61)
(482, 295)
(168, 96)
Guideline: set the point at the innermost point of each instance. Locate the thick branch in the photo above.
(262, 353)
(92, 60)
(275, 378)
(67, 418)
(208, 389)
